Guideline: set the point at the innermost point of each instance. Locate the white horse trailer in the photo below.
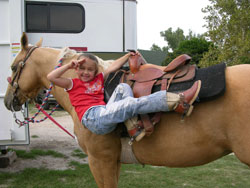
(84, 25)
(11, 24)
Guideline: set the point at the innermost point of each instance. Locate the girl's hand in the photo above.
(131, 53)
(81, 61)
(74, 64)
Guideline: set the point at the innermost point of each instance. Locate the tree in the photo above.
(154, 47)
(173, 38)
(228, 24)
(195, 48)
(192, 44)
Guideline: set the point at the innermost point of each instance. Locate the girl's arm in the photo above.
(55, 75)
(117, 64)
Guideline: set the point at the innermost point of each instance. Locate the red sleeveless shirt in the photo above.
(84, 95)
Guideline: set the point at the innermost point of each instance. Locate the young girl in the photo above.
(86, 94)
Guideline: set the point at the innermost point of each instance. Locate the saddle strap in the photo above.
(157, 116)
(171, 79)
(149, 123)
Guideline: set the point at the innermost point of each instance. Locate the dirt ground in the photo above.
(47, 136)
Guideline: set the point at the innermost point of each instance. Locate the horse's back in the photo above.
(238, 73)
(215, 128)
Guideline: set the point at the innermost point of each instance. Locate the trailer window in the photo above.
(45, 17)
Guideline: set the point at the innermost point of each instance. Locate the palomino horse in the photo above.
(215, 128)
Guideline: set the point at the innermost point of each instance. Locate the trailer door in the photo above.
(11, 19)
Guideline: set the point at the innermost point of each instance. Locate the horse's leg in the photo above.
(241, 144)
(104, 155)
(105, 172)
(240, 139)
(238, 129)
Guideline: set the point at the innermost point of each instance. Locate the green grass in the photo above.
(44, 178)
(227, 172)
(78, 153)
(32, 154)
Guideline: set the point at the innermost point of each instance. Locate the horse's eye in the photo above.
(13, 68)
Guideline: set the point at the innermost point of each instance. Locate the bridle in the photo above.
(15, 85)
(14, 82)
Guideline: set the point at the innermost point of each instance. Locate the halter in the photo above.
(14, 81)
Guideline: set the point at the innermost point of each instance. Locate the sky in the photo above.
(154, 16)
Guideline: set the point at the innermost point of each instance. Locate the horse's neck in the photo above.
(47, 60)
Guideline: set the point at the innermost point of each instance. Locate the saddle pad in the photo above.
(213, 83)
(111, 82)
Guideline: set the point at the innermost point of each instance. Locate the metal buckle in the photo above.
(15, 85)
(21, 63)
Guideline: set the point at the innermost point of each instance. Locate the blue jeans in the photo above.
(122, 106)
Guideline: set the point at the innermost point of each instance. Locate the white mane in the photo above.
(68, 53)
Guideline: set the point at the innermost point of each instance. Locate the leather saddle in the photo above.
(142, 77)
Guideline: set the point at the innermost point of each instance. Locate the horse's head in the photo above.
(23, 83)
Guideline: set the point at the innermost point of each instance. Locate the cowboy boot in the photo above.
(187, 98)
(134, 131)
(182, 102)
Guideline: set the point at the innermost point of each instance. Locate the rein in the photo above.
(15, 85)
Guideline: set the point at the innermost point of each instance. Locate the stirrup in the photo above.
(139, 134)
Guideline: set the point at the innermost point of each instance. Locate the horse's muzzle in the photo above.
(9, 79)
(12, 103)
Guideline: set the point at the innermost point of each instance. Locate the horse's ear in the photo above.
(24, 41)
(39, 43)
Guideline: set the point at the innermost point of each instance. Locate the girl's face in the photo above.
(87, 71)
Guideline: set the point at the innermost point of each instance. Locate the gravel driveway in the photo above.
(47, 136)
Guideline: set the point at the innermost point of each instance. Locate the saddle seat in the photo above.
(143, 76)
(137, 63)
